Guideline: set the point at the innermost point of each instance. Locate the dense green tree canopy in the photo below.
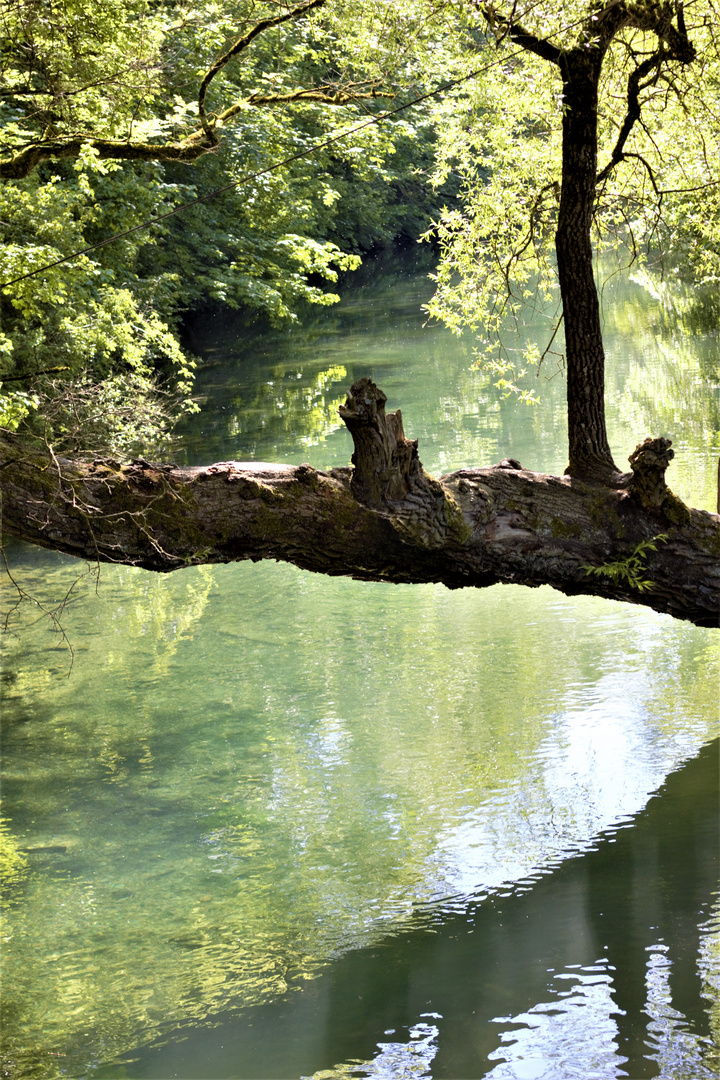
(113, 113)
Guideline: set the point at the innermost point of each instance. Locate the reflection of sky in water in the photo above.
(574, 1035)
(571, 1036)
(396, 1060)
(594, 770)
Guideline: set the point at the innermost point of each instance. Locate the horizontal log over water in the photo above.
(383, 520)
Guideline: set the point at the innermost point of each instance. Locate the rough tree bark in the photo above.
(383, 520)
(581, 67)
(589, 449)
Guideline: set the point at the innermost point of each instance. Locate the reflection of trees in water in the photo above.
(634, 905)
(650, 889)
(271, 393)
(592, 950)
(243, 789)
(663, 337)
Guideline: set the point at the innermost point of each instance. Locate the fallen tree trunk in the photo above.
(383, 520)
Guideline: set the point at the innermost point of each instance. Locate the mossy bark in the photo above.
(384, 520)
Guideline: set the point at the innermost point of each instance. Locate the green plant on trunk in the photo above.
(630, 570)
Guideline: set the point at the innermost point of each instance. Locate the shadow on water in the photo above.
(590, 969)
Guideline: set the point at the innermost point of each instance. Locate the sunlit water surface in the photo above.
(283, 825)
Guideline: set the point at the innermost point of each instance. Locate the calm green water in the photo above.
(279, 825)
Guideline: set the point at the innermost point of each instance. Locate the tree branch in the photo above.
(200, 142)
(657, 18)
(239, 46)
(321, 94)
(632, 115)
(517, 33)
(384, 520)
(24, 161)
(674, 45)
(33, 374)
(649, 170)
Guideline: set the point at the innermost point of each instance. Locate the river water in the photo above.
(281, 825)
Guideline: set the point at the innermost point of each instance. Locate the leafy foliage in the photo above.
(270, 243)
(630, 570)
(658, 173)
(141, 107)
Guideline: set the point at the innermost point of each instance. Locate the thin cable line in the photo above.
(279, 164)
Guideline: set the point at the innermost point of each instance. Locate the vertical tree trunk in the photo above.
(590, 454)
